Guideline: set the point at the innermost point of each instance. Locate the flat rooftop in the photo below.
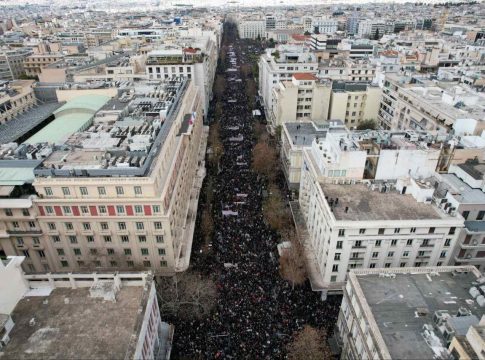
(365, 204)
(303, 133)
(395, 303)
(69, 324)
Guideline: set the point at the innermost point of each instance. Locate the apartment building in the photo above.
(430, 106)
(280, 64)
(347, 69)
(74, 315)
(371, 224)
(15, 98)
(197, 63)
(122, 190)
(324, 25)
(354, 102)
(251, 28)
(35, 62)
(12, 63)
(304, 98)
(412, 313)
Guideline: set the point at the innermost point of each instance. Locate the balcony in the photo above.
(25, 232)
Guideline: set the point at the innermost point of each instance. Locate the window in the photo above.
(447, 242)
(159, 238)
(127, 251)
(390, 254)
(69, 226)
(439, 263)
(452, 231)
(403, 264)
(137, 190)
(25, 212)
(387, 265)
(409, 242)
(413, 230)
(339, 244)
(119, 190)
(378, 243)
(55, 238)
(358, 243)
(93, 251)
(77, 251)
(107, 238)
(341, 232)
(64, 263)
(41, 253)
(120, 209)
(90, 238)
(72, 239)
(425, 242)
(337, 256)
(405, 254)
(163, 263)
(20, 241)
(397, 230)
(140, 226)
(51, 226)
(15, 224)
(84, 190)
(122, 226)
(113, 263)
(48, 191)
(110, 251)
(335, 268)
(381, 231)
(97, 263)
(36, 241)
(101, 190)
(104, 226)
(431, 230)
(361, 231)
(156, 208)
(102, 209)
(66, 191)
(144, 251)
(124, 238)
(147, 263)
(393, 242)
(138, 209)
(26, 253)
(465, 214)
(87, 226)
(443, 254)
(142, 238)
(161, 252)
(66, 210)
(130, 263)
(84, 210)
(375, 254)
(158, 225)
(60, 252)
(49, 209)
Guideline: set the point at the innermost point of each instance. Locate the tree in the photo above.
(276, 54)
(251, 91)
(292, 261)
(307, 33)
(219, 86)
(264, 158)
(207, 223)
(376, 36)
(214, 142)
(186, 295)
(369, 124)
(309, 344)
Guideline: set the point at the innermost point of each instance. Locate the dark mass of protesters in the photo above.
(256, 312)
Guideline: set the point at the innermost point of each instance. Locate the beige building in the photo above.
(122, 192)
(35, 62)
(16, 98)
(354, 102)
(303, 98)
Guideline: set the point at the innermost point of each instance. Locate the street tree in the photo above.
(292, 261)
(309, 344)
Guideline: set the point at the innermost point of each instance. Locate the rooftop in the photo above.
(69, 324)
(460, 190)
(404, 304)
(304, 76)
(303, 133)
(364, 204)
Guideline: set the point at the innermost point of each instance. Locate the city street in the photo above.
(257, 312)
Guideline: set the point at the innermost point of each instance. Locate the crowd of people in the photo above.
(256, 312)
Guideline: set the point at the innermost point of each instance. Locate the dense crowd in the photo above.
(257, 312)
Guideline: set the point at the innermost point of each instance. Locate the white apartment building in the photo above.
(371, 224)
(196, 63)
(347, 70)
(323, 25)
(251, 28)
(280, 64)
(69, 315)
(431, 107)
(412, 313)
(121, 191)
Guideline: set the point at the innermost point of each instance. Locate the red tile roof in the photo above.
(304, 76)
